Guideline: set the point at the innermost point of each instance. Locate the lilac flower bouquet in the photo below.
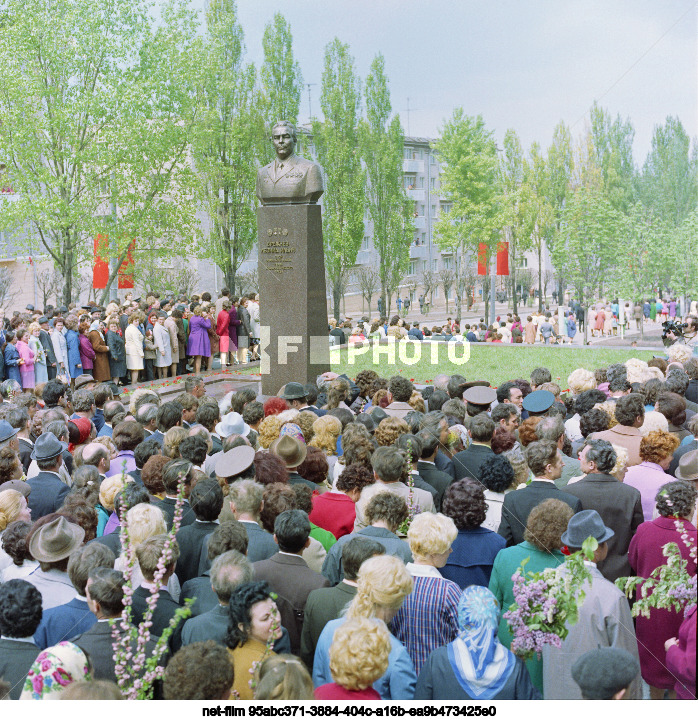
(546, 603)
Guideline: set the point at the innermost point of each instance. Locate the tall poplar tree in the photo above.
(470, 183)
(228, 142)
(382, 149)
(337, 144)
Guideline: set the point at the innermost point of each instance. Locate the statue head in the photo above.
(284, 138)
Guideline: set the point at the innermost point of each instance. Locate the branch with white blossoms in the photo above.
(670, 585)
(136, 674)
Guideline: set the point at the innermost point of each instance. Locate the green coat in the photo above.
(501, 585)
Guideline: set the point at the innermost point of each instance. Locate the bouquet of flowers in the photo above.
(669, 586)
(547, 602)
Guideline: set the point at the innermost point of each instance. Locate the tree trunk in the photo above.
(336, 298)
(540, 277)
(512, 273)
(67, 270)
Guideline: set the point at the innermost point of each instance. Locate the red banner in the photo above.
(100, 268)
(503, 259)
(482, 260)
(126, 269)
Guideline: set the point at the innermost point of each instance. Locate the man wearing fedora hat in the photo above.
(51, 545)
(294, 395)
(604, 616)
(48, 490)
(292, 452)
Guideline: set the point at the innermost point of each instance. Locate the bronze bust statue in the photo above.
(289, 179)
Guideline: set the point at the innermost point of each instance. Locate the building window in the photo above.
(523, 263)
(448, 263)
(446, 207)
(366, 242)
(407, 153)
(424, 238)
(433, 159)
(421, 154)
(410, 181)
(432, 183)
(433, 211)
(435, 265)
(420, 181)
(412, 270)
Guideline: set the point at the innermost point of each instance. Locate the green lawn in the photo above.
(495, 363)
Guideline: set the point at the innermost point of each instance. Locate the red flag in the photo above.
(482, 259)
(503, 259)
(100, 269)
(126, 269)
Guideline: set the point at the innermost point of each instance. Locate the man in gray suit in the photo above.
(289, 179)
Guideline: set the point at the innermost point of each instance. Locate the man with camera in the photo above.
(686, 333)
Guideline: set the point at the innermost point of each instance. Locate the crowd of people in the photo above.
(128, 342)
(347, 539)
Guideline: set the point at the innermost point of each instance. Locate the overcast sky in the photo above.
(522, 64)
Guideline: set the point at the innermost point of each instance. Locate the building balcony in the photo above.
(419, 222)
(413, 166)
(416, 193)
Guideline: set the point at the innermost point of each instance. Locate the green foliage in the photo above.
(337, 144)
(388, 206)
(228, 141)
(470, 182)
(681, 256)
(282, 80)
(96, 108)
(587, 247)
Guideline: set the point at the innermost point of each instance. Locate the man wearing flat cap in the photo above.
(605, 674)
(294, 394)
(47, 489)
(604, 616)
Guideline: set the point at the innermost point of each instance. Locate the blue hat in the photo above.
(7, 431)
(585, 524)
(538, 401)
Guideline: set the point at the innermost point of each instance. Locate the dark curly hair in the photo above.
(388, 507)
(315, 466)
(365, 381)
(354, 477)
(651, 389)
(628, 408)
(502, 440)
(546, 523)
(240, 399)
(239, 608)
(359, 451)
(464, 503)
(586, 400)
(594, 421)
(278, 497)
(269, 469)
(304, 498)
(20, 608)
(200, 671)
(78, 507)
(677, 498)
(401, 388)
(672, 406)
(496, 474)
(14, 542)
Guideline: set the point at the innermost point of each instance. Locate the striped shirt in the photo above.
(428, 617)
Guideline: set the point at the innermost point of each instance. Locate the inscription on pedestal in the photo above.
(277, 255)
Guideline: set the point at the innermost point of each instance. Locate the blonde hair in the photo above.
(289, 416)
(383, 582)
(33, 326)
(417, 402)
(581, 380)
(136, 396)
(638, 371)
(678, 352)
(326, 430)
(144, 521)
(609, 407)
(269, 430)
(171, 441)
(305, 420)
(359, 653)
(654, 421)
(622, 458)
(108, 490)
(516, 457)
(431, 534)
(108, 443)
(283, 677)
(10, 507)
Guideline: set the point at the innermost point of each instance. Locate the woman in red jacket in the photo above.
(222, 325)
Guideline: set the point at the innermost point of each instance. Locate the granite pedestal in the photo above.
(293, 300)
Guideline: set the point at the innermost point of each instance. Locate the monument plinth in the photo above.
(294, 343)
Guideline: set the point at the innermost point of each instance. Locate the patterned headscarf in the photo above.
(55, 669)
(480, 662)
(292, 429)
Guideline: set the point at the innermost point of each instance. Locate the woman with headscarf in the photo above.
(54, 670)
(80, 432)
(475, 666)
(26, 354)
(87, 352)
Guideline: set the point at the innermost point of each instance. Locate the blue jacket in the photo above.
(72, 343)
(11, 363)
(47, 494)
(61, 623)
(396, 684)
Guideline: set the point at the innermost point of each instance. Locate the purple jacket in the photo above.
(648, 478)
(199, 343)
(233, 325)
(87, 353)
